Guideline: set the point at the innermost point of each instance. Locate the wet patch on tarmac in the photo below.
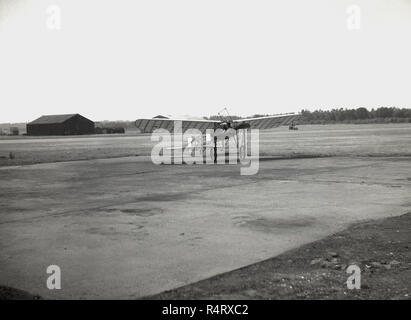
(142, 212)
(136, 226)
(276, 224)
(133, 211)
(270, 157)
(163, 197)
(106, 231)
(135, 231)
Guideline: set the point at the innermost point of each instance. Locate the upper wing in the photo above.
(270, 121)
(149, 125)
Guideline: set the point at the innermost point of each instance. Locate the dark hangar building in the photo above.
(60, 125)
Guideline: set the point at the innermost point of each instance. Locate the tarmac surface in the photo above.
(126, 228)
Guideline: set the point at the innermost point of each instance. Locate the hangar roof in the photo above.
(48, 119)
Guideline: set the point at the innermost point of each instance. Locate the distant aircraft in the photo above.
(225, 124)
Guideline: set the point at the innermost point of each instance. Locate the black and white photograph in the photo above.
(189, 151)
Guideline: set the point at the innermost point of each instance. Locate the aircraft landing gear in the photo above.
(215, 150)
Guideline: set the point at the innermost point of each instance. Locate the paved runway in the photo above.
(125, 228)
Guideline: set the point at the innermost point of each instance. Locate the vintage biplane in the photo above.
(226, 124)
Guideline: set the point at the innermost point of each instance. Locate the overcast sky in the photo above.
(129, 59)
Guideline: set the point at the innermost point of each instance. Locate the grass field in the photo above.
(318, 140)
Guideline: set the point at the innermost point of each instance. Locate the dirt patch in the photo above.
(318, 270)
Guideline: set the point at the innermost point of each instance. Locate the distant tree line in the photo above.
(107, 124)
(341, 115)
(359, 115)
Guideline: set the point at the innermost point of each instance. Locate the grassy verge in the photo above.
(318, 270)
(7, 293)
